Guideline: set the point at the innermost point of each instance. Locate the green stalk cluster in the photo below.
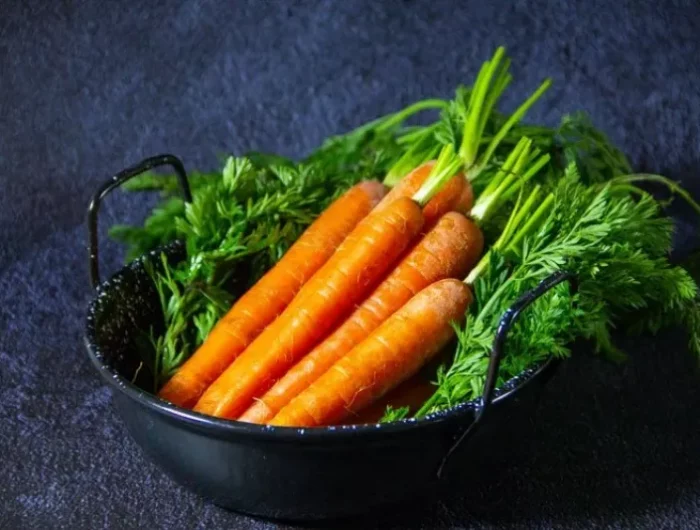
(518, 169)
(445, 168)
(474, 150)
(491, 82)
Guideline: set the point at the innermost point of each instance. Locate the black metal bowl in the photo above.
(281, 472)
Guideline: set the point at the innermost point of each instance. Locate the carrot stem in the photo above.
(399, 117)
(513, 119)
(531, 222)
(447, 165)
(420, 152)
(673, 186)
(503, 177)
(410, 135)
(516, 217)
(502, 81)
(527, 229)
(514, 181)
(531, 172)
(426, 406)
(514, 221)
(470, 142)
(387, 122)
(491, 82)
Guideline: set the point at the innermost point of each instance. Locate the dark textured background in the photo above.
(89, 87)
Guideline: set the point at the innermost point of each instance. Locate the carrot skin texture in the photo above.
(388, 356)
(346, 278)
(466, 198)
(412, 393)
(408, 185)
(446, 200)
(449, 250)
(261, 304)
(450, 197)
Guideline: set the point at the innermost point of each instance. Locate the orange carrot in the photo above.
(395, 350)
(446, 200)
(456, 194)
(408, 185)
(412, 393)
(448, 250)
(346, 278)
(388, 356)
(271, 294)
(466, 199)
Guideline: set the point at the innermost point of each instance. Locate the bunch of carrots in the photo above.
(369, 293)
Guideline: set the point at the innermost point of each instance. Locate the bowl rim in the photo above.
(224, 426)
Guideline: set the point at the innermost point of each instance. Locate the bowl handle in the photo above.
(507, 321)
(116, 181)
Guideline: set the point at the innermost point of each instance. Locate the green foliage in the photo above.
(157, 230)
(159, 227)
(615, 242)
(190, 310)
(394, 414)
(597, 159)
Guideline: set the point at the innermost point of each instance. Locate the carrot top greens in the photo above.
(615, 241)
(548, 198)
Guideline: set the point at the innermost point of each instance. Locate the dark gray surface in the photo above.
(89, 87)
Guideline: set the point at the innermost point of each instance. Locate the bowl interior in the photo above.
(124, 317)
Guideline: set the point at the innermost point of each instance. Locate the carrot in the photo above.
(448, 199)
(412, 393)
(448, 250)
(271, 294)
(456, 194)
(346, 278)
(398, 348)
(408, 185)
(466, 199)
(388, 356)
